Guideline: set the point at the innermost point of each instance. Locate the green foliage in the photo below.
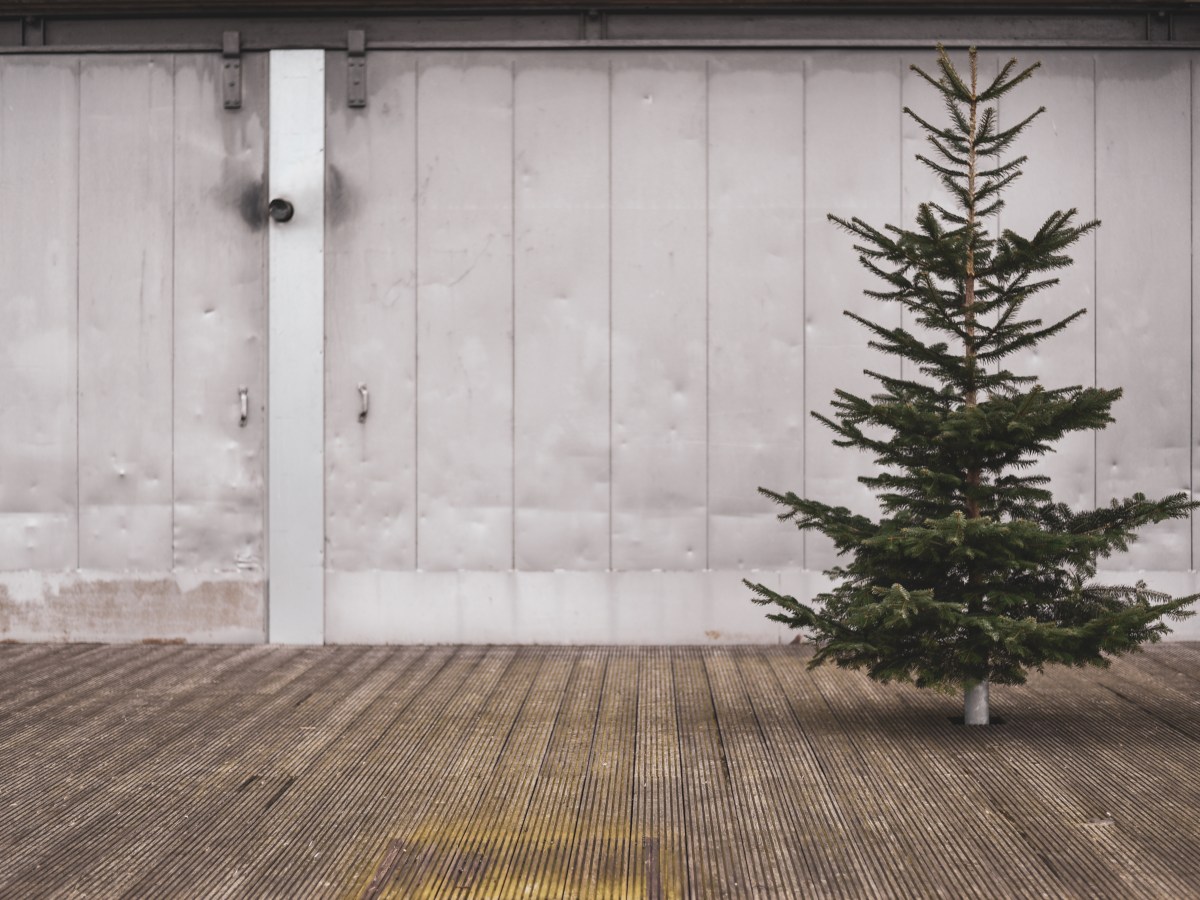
(973, 573)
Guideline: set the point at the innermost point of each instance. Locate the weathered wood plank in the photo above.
(540, 869)
(876, 735)
(202, 781)
(598, 864)
(598, 772)
(498, 842)
(658, 781)
(830, 857)
(305, 778)
(766, 831)
(715, 833)
(31, 665)
(403, 717)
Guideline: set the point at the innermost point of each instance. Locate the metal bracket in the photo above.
(33, 31)
(356, 69)
(231, 70)
(595, 25)
(1158, 26)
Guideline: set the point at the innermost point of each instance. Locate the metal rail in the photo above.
(849, 26)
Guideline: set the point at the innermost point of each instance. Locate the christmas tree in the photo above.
(972, 574)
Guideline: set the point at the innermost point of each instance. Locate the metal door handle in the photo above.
(244, 402)
(362, 394)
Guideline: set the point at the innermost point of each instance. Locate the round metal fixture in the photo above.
(281, 210)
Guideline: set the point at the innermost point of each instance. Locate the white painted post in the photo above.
(295, 352)
(975, 704)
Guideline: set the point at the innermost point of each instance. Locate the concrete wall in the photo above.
(133, 296)
(592, 298)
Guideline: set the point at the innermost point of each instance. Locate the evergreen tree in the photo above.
(973, 574)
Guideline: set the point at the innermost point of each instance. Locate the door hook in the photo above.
(362, 393)
(244, 402)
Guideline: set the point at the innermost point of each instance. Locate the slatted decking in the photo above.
(493, 772)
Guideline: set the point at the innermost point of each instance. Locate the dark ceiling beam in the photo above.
(136, 25)
(151, 8)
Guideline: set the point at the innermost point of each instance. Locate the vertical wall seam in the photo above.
(416, 150)
(174, 281)
(611, 473)
(323, 546)
(324, 355)
(1000, 193)
(512, 158)
(708, 307)
(265, 360)
(1192, 308)
(78, 311)
(1095, 275)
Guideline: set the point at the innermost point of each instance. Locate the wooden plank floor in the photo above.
(494, 772)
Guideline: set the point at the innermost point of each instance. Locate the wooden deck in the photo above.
(493, 772)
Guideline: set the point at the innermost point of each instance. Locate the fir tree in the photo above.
(973, 574)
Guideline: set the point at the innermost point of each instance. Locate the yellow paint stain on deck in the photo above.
(529, 864)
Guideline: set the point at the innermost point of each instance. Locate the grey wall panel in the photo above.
(659, 344)
(1060, 174)
(39, 145)
(561, 338)
(721, 164)
(220, 315)
(100, 355)
(464, 312)
(125, 310)
(470, 211)
(370, 318)
(756, 192)
(853, 137)
(1143, 299)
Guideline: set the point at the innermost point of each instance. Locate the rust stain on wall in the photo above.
(185, 607)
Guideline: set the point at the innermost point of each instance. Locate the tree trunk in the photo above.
(975, 704)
